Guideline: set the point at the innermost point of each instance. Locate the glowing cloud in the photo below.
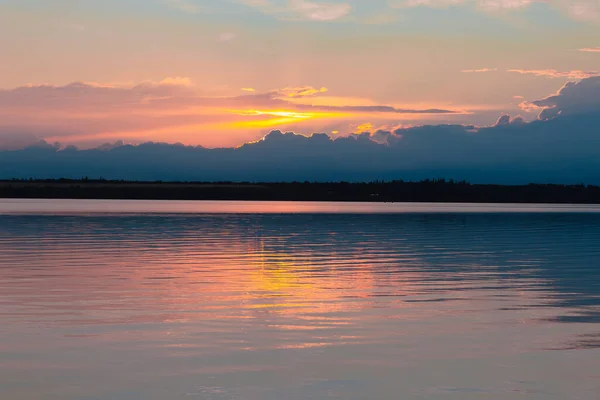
(176, 81)
(172, 110)
(367, 127)
(306, 91)
(479, 70)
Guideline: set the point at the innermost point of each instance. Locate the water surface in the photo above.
(78, 207)
(207, 304)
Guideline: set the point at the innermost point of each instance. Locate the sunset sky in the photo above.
(223, 72)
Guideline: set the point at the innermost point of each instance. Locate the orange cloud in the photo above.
(306, 91)
(366, 127)
(479, 70)
(174, 110)
(176, 81)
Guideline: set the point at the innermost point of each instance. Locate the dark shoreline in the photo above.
(396, 191)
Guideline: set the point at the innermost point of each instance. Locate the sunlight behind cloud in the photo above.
(174, 109)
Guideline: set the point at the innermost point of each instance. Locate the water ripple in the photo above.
(248, 306)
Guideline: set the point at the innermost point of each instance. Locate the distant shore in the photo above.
(396, 191)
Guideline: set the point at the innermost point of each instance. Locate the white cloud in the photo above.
(584, 10)
(301, 9)
(501, 5)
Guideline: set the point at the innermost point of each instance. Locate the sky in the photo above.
(220, 73)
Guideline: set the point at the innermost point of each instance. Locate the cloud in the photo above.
(502, 5)
(552, 73)
(305, 91)
(13, 139)
(301, 9)
(560, 150)
(561, 146)
(175, 81)
(582, 10)
(484, 5)
(320, 11)
(366, 127)
(248, 89)
(590, 50)
(174, 109)
(574, 98)
(585, 10)
(506, 119)
(481, 70)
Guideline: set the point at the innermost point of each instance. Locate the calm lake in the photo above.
(147, 300)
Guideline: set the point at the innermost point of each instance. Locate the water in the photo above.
(125, 301)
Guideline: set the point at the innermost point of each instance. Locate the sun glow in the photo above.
(275, 118)
(275, 113)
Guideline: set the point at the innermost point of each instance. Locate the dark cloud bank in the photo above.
(562, 146)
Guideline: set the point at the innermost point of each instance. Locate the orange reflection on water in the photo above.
(150, 303)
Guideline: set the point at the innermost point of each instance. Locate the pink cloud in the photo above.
(172, 110)
(552, 73)
(481, 70)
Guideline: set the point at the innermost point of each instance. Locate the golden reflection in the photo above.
(308, 288)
